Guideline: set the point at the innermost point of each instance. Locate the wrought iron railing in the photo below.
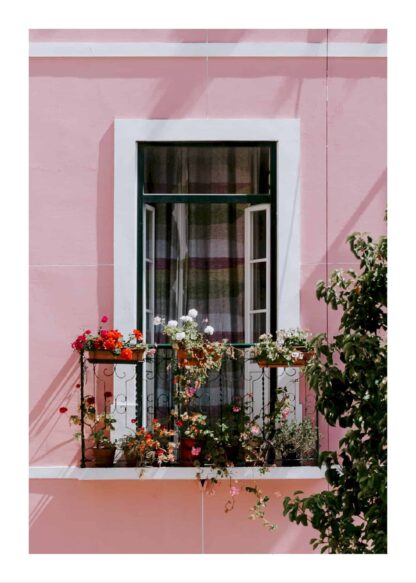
(144, 390)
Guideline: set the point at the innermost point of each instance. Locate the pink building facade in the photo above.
(84, 84)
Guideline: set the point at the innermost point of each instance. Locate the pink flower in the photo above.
(87, 332)
(285, 413)
(196, 451)
(236, 409)
(190, 391)
(255, 430)
(234, 490)
(104, 319)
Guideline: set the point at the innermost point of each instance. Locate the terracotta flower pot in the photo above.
(270, 364)
(235, 454)
(193, 357)
(306, 356)
(295, 362)
(130, 457)
(103, 457)
(185, 451)
(290, 459)
(107, 355)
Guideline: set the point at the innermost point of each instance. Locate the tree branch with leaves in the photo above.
(349, 376)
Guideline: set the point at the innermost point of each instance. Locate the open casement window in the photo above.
(208, 244)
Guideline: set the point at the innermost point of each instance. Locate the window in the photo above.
(207, 243)
(255, 204)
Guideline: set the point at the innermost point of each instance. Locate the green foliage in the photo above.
(348, 375)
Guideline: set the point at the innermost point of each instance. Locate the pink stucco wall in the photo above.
(73, 104)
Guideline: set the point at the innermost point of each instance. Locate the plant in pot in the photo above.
(193, 431)
(99, 426)
(295, 441)
(235, 420)
(290, 348)
(110, 345)
(196, 353)
(148, 448)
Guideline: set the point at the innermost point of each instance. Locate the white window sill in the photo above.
(240, 473)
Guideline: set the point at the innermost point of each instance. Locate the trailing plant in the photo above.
(348, 375)
(197, 355)
(99, 424)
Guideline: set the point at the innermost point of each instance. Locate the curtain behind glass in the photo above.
(206, 169)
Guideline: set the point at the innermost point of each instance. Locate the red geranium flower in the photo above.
(134, 421)
(179, 423)
(87, 332)
(104, 319)
(138, 334)
(126, 353)
(90, 400)
(108, 395)
(78, 385)
(63, 409)
(79, 342)
(109, 344)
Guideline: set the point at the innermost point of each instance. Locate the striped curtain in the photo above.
(200, 264)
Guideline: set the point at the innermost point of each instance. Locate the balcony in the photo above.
(143, 391)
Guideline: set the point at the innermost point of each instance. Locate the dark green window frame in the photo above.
(271, 199)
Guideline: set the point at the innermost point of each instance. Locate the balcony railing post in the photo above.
(139, 395)
(263, 401)
(82, 406)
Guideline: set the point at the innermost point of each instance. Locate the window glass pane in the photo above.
(149, 234)
(258, 325)
(206, 169)
(259, 232)
(149, 327)
(149, 285)
(258, 282)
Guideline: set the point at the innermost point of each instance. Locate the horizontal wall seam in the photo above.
(295, 49)
(71, 265)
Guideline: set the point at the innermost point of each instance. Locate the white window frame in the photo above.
(128, 133)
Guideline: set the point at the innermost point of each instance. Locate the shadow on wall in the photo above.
(159, 517)
(44, 418)
(105, 221)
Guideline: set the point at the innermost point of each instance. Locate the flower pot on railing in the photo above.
(194, 357)
(300, 357)
(136, 354)
(103, 457)
(272, 364)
